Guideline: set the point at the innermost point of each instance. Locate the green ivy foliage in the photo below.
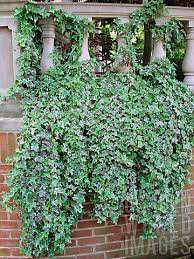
(173, 35)
(109, 140)
(150, 11)
(49, 179)
(119, 137)
(164, 108)
(50, 175)
(140, 125)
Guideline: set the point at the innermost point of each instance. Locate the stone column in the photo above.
(48, 36)
(85, 50)
(158, 48)
(118, 64)
(188, 62)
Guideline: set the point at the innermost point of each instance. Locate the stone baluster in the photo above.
(118, 64)
(98, 48)
(85, 49)
(188, 62)
(159, 51)
(48, 37)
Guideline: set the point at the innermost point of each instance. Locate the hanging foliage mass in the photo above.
(120, 137)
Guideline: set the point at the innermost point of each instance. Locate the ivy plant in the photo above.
(124, 136)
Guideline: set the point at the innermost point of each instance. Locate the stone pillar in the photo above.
(6, 60)
(48, 36)
(118, 64)
(158, 48)
(188, 62)
(85, 50)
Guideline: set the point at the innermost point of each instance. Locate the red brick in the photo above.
(9, 243)
(191, 193)
(11, 143)
(5, 224)
(4, 233)
(116, 254)
(3, 147)
(91, 241)
(89, 224)
(190, 186)
(3, 215)
(139, 227)
(96, 256)
(3, 188)
(14, 215)
(107, 230)
(4, 168)
(109, 246)
(127, 228)
(117, 237)
(82, 233)
(123, 219)
(15, 234)
(2, 178)
(78, 250)
(16, 252)
(5, 252)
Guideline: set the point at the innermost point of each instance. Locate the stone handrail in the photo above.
(99, 9)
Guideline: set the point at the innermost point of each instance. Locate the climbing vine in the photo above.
(124, 136)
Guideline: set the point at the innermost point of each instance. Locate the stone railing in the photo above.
(9, 50)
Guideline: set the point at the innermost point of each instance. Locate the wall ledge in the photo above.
(11, 124)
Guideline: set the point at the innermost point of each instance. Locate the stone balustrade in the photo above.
(92, 11)
(96, 10)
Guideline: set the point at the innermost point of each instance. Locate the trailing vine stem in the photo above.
(119, 137)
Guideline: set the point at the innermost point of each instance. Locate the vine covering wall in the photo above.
(119, 137)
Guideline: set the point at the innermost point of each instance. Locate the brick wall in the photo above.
(100, 241)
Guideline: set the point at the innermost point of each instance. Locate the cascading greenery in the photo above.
(119, 137)
(50, 175)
